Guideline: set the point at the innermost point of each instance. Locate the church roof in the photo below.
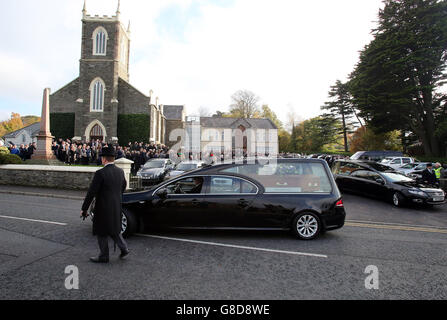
(32, 130)
(173, 112)
(215, 122)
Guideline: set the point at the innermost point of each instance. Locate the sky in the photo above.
(195, 53)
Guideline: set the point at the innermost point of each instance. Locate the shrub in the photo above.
(10, 159)
(4, 150)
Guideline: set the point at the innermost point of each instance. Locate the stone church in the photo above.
(101, 103)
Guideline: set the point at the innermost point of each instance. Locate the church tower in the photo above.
(101, 103)
(104, 59)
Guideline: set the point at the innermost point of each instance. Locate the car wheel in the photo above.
(398, 199)
(306, 226)
(129, 224)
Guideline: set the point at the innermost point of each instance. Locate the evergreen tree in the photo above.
(396, 83)
(341, 108)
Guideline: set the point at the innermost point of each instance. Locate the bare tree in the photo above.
(204, 112)
(245, 104)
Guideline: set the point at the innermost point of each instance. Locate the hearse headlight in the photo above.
(417, 192)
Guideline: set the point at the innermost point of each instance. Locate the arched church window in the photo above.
(100, 41)
(97, 96)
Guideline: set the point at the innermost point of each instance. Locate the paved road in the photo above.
(40, 236)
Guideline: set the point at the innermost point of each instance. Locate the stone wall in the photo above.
(131, 101)
(64, 100)
(171, 125)
(69, 178)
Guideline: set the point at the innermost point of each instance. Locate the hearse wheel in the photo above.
(129, 223)
(306, 226)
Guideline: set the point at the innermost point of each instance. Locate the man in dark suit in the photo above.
(429, 176)
(107, 187)
(198, 183)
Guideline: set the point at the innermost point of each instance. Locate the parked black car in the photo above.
(154, 171)
(383, 182)
(293, 194)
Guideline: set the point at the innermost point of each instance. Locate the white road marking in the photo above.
(33, 220)
(236, 246)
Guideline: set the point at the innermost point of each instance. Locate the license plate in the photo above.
(438, 199)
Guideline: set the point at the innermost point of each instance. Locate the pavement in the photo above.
(41, 234)
(43, 192)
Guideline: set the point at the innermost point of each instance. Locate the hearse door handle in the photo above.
(196, 202)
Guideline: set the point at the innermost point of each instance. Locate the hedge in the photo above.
(133, 127)
(62, 125)
(10, 159)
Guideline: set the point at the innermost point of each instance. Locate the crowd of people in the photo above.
(25, 151)
(89, 153)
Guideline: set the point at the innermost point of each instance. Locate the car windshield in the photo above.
(408, 166)
(421, 167)
(386, 160)
(380, 167)
(396, 177)
(154, 164)
(186, 166)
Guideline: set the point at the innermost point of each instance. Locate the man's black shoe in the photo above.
(99, 260)
(124, 254)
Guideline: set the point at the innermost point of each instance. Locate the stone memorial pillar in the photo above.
(44, 138)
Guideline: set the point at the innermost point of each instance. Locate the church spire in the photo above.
(118, 9)
(84, 9)
(128, 27)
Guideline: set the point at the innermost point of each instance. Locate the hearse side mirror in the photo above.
(162, 193)
(380, 180)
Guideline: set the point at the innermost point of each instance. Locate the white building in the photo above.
(231, 135)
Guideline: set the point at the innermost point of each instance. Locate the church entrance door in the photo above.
(96, 133)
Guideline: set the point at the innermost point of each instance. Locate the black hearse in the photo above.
(294, 194)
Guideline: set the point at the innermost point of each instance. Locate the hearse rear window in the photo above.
(297, 177)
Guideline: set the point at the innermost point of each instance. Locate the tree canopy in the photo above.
(341, 108)
(245, 105)
(396, 83)
(313, 134)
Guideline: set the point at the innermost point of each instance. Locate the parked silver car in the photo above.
(396, 162)
(413, 170)
(184, 167)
